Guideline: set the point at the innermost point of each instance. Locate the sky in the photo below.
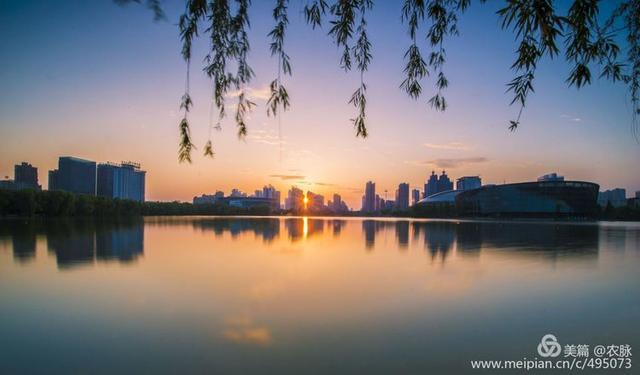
(103, 82)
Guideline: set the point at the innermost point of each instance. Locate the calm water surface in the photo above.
(298, 295)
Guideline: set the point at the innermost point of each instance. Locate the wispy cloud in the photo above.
(571, 118)
(448, 146)
(449, 163)
(267, 137)
(252, 93)
(287, 177)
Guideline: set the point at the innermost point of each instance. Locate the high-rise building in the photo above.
(402, 197)
(26, 176)
(431, 187)
(53, 180)
(338, 204)
(444, 183)
(209, 199)
(315, 202)
(337, 201)
(271, 193)
(388, 205)
(123, 181)
(369, 197)
(468, 183)
(615, 197)
(295, 199)
(74, 175)
(415, 196)
(437, 184)
(237, 193)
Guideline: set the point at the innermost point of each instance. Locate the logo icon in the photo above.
(549, 346)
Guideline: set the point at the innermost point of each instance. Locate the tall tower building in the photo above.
(431, 187)
(369, 197)
(271, 193)
(415, 196)
(444, 183)
(402, 196)
(295, 199)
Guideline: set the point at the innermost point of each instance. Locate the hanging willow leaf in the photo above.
(359, 100)
(278, 98)
(244, 106)
(153, 5)
(415, 70)
(313, 13)
(362, 54)
(208, 149)
(278, 93)
(184, 152)
(185, 102)
(342, 28)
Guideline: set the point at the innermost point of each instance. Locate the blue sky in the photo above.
(100, 81)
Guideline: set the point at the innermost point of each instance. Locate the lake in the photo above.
(308, 295)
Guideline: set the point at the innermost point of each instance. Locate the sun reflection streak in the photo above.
(305, 227)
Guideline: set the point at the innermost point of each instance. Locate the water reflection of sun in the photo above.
(305, 226)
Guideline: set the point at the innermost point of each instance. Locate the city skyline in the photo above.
(105, 101)
(121, 181)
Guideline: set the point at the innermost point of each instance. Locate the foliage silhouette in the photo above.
(585, 38)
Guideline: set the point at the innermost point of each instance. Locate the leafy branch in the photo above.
(588, 43)
(537, 26)
(279, 96)
(362, 54)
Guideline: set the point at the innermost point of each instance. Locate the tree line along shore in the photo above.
(33, 203)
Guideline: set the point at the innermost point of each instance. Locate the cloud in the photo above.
(252, 93)
(448, 146)
(242, 330)
(449, 163)
(286, 177)
(268, 137)
(571, 118)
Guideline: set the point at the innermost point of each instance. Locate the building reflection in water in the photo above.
(267, 229)
(299, 228)
(337, 225)
(402, 234)
(371, 228)
(23, 240)
(438, 237)
(123, 243)
(77, 242)
(22, 234)
(72, 242)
